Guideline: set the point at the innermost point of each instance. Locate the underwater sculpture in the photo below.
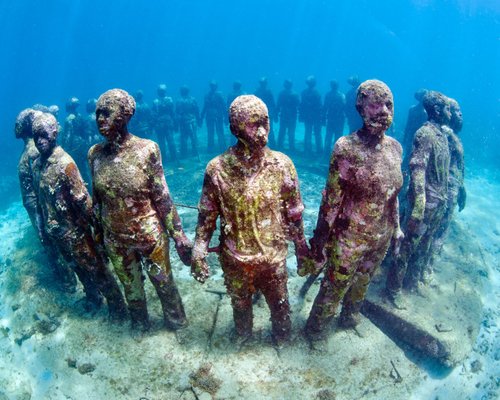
(255, 191)
(134, 211)
(456, 187)
(358, 217)
(24, 130)
(91, 133)
(64, 208)
(310, 115)
(164, 121)
(333, 116)
(266, 95)
(354, 121)
(214, 113)
(188, 116)
(142, 123)
(287, 108)
(417, 116)
(75, 140)
(427, 199)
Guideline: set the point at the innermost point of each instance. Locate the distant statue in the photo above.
(24, 130)
(92, 134)
(64, 208)
(134, 211)
(255, 192)
(237, 91)
(457, 194)
(214, 113)
(287, 110)
(75, 141)
(353, 119)
(417, 116)
(53, 109)
(358, 217)
(427, 199)
(142, 123)
(333, 115)
(164, 122)
(188, 117)
(266, 95)
(310, 114)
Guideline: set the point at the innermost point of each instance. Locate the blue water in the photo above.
(54, 49)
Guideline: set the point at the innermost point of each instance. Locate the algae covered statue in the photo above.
(456, 187)
(24, 130)
(255, 191)
(134, 211)
(427, 198)
(358, 217)
(65, 210)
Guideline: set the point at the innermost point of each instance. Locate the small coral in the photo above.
(205, 380)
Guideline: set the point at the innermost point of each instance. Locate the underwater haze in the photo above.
(54, 49)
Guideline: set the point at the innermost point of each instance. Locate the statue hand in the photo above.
(184, 249)
(200, 270)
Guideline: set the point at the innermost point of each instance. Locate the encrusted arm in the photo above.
(418, 165)
(293, 209)
(79, 195)
(333, 195)
(208, 212)
(164, 205)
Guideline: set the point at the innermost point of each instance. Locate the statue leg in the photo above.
(273, 284)
(128, 268)
(157, 266)
(240, 289)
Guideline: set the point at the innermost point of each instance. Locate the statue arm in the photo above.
(208, 211)
(78, 194)
(96, 205)
(293, 208)
(164, 206)
(418, 166)
(332, 198)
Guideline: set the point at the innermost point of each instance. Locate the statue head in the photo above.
(23, 127)
(90, 106)
(113, 112)
(437, 107)
(72, 104)
(375, 104)
(456, 120)
(311, 81)
(45, 130)
(249, 121)
(161, 90)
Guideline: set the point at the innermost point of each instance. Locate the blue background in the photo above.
(55, 49)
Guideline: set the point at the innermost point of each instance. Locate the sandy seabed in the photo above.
(51, 349)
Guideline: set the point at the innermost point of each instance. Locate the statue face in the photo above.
(456, 118)
(255, 131)
(45, 139)
(377, 111)
(249, 121)
(110, 122)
